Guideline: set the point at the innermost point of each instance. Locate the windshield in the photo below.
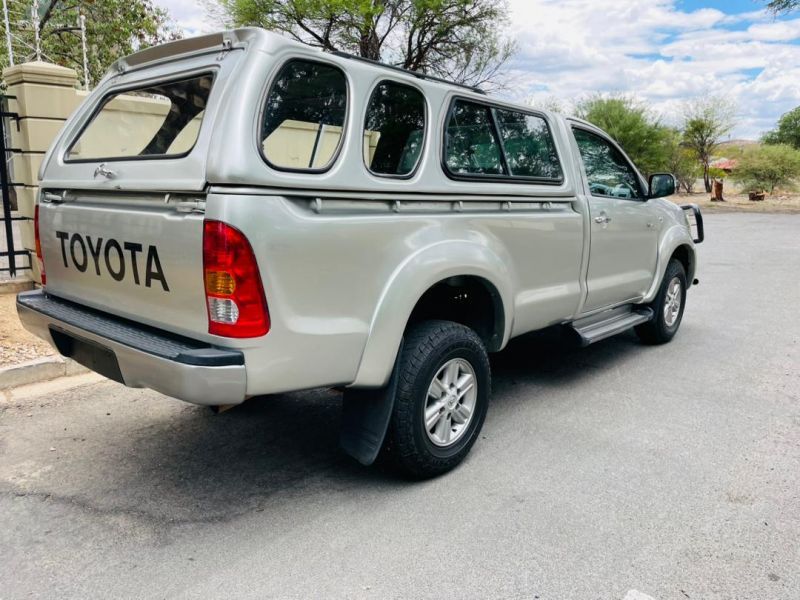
(158, 121)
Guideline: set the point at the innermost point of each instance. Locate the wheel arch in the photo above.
(686, 256)
(676, 243)
(417, 287)
(471, 300)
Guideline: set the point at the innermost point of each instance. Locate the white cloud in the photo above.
(190, 15)
(659, 53)
(651, 49)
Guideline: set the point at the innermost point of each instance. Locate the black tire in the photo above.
(427, 347)
(658, 330)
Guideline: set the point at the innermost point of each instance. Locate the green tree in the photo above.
(634, 128)
(787, 132)
(460, 40)
(783, 6)
(682, 162)
(114, 28)
(764, 168)
(705, 122)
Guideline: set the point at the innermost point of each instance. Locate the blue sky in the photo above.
(728, 6)
(663, 52)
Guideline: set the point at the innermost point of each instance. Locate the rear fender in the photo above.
(421, 271)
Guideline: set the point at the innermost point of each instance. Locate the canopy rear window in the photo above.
(158, 121)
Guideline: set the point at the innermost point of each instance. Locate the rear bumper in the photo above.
(134, 354)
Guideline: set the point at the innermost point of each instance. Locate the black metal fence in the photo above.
(17, 259)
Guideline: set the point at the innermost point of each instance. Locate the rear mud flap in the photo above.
(365, 419)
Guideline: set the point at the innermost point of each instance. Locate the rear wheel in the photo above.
(667, 307)
(443, 382)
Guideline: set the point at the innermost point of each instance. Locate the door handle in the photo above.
(101, 170)
(191, 206)
(602, 218)
(51, 198)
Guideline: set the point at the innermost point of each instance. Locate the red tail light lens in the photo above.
(38, 244)
(237, 307)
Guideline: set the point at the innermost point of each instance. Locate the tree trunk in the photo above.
(706, 179)
(369, 45)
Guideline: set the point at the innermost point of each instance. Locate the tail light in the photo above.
(235, 298)
(38, 245)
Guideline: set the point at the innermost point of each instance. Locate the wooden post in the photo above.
(716, 194)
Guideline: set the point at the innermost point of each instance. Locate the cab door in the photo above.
(624, 229)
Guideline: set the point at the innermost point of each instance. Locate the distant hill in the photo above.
(733, 149)
(737, 145)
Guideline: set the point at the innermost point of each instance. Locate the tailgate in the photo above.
(120, 214)
(138, 256)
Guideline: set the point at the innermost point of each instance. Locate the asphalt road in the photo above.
(673, 471)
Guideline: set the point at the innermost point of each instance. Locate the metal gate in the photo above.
(12, 259)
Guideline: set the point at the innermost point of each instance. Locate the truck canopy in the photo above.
(250, 108)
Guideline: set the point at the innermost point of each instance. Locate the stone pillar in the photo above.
(46, 95)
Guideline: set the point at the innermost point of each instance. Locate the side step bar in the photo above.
(599, 327)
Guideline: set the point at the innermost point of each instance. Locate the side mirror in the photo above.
(660, 185)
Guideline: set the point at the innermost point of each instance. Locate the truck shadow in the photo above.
(553, 358)
(170, 463)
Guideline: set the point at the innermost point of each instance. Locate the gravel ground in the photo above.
(671, 470)
(16, 344)
(780, 202)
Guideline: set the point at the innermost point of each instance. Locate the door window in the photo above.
(607, 171)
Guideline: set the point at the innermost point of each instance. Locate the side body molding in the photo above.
(416, 275)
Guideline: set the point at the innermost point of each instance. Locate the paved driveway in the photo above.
(674, 471)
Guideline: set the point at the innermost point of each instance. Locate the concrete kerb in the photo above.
(15, 286)
(38, 370)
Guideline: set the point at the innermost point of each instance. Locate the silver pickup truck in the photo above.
(236, 215)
